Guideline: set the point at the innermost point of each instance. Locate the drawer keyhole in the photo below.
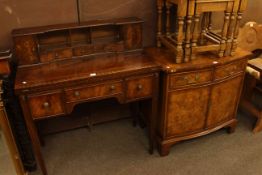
(139, 87)
(46, 105)
(56, 55)
(77, 93)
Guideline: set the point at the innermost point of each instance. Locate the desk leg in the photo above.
(33, 134)
(154, 114)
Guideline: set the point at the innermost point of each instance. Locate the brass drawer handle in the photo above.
(112, 88)
(197, 78)
(46, 105)
(77, 93)
(56, 55)
(139, 87)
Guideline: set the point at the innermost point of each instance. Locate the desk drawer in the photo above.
(229, 70)
(95, 91)
(139, 87)
(177, 80)
(46, 105)
(56, 54)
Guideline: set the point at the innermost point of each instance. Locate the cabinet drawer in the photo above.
(95, 91)
(56, 54)
(139, 87)
(46, 105)
(177, 80)
(229, 70)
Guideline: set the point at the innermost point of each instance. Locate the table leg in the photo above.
(33, 135)
(154, 114)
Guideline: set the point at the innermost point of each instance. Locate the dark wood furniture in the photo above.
(187, 29)
(251, 84)
(4, 121)
(251, 39)
(61, 66)
(198, 97)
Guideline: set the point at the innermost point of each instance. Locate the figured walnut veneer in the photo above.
(61, 66)
(198, 97)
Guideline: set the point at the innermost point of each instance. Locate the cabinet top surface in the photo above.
(56, 27)
(165, 58)
(82, 69)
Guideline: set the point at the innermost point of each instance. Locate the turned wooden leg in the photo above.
(231, 128)
(195, 35)
(224, 34)
(258, 125)
(236, 32)
(159, 21)
(168, 29)
(180, 39)
(209, 20)
(204, 27)
(188, 39)
(230, 34)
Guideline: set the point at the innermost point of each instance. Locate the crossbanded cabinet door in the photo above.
(186, 111)
(223, 101)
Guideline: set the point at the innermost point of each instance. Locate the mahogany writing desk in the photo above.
(62, 66)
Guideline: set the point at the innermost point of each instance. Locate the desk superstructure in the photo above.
(61, 66)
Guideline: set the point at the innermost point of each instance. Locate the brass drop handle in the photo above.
(139, 87)
(112, 88)
(46, 105)
(77, 93)
(56, 55)
(197, 77)
(186, 78)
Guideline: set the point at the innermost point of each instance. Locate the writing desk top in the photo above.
(82, 69)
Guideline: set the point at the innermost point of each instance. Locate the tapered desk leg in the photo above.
(33, 135)
(153, 116)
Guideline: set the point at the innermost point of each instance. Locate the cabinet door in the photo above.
(186, 111)
(223, 101)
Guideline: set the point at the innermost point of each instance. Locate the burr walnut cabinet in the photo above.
(198, 97)
(61, 66)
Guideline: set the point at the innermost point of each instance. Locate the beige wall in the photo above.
(25, 13)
